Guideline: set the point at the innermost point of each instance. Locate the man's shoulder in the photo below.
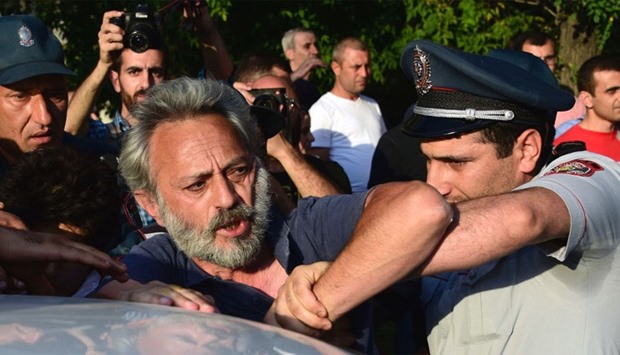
(368, 99)
(581, 163)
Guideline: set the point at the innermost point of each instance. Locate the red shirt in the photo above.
(605, 143)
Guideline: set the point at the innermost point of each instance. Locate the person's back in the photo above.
(347, 125)
(599, 89)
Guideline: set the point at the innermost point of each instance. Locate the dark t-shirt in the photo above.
(307, 92)
(312, 232)
(397, 158)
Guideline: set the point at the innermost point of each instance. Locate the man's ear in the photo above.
(147, 201)
(335, 67)
(528, 148)
(586, 98)
(113, 75)
(290, 54)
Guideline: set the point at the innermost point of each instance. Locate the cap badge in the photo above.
(422, 72)
(25, 36)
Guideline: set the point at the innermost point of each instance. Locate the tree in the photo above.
(583, 28)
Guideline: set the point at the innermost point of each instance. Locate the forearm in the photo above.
(215, 55)
(489, 228)
(84, 98)
(400, 227)
(307, 179)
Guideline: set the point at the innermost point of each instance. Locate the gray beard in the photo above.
(200, 243)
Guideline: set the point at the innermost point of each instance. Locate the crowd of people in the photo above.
(474, 224)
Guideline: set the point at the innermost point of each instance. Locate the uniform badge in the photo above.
(576, 167)
(25, 36)
(422, 72)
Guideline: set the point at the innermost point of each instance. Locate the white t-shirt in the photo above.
(351, 130)
(551, 298)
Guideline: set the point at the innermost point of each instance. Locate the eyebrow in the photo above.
(206, 174)
(612, 89)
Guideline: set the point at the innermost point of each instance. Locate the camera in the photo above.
(276, 101)
(143, 28)
(273, 99)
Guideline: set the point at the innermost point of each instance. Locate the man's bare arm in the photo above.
(81, 104)
(490, 228)
(25, 254)
(484, 229)
(307, 179)
(400, 227)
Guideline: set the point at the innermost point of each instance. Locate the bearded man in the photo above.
(192, 162)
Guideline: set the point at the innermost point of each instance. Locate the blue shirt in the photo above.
(316, 230)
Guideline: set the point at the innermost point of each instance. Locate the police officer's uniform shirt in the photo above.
(559, 297)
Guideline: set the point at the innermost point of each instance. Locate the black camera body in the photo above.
(143, 29)
(276, 101)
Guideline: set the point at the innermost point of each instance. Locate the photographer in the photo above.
(298, 174)
(132, 54)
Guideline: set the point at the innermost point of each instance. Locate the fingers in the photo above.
(77, 252)
(281, 315)
(244, 89)
(156, 292)
(10, 220)
(25, 247)
(296, 303)
(110, 37)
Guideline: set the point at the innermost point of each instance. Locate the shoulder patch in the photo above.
(576, 167)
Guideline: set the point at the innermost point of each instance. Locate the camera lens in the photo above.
(268, 101)
(138, 42)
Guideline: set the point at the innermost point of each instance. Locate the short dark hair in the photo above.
(503, 136)
(258, 64)
(117, 62)
(585, 75)
(535, 38)
(348, 42)
(56, 184)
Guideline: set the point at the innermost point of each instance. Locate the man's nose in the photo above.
(40, 111)
(224, 192)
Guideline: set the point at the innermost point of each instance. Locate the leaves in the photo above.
(386, 25)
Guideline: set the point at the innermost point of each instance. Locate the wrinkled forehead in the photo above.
(193, 139)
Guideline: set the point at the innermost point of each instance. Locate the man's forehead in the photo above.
(455, 144)
(151, 56)
(304, 38)
(212, 128)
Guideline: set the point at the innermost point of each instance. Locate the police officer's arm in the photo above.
(489, 228)
(484, 229)
(81, 104)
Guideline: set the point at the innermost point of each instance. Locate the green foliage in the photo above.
(386, 25)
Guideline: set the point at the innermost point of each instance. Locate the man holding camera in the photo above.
(131, 53)
(299, 175)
